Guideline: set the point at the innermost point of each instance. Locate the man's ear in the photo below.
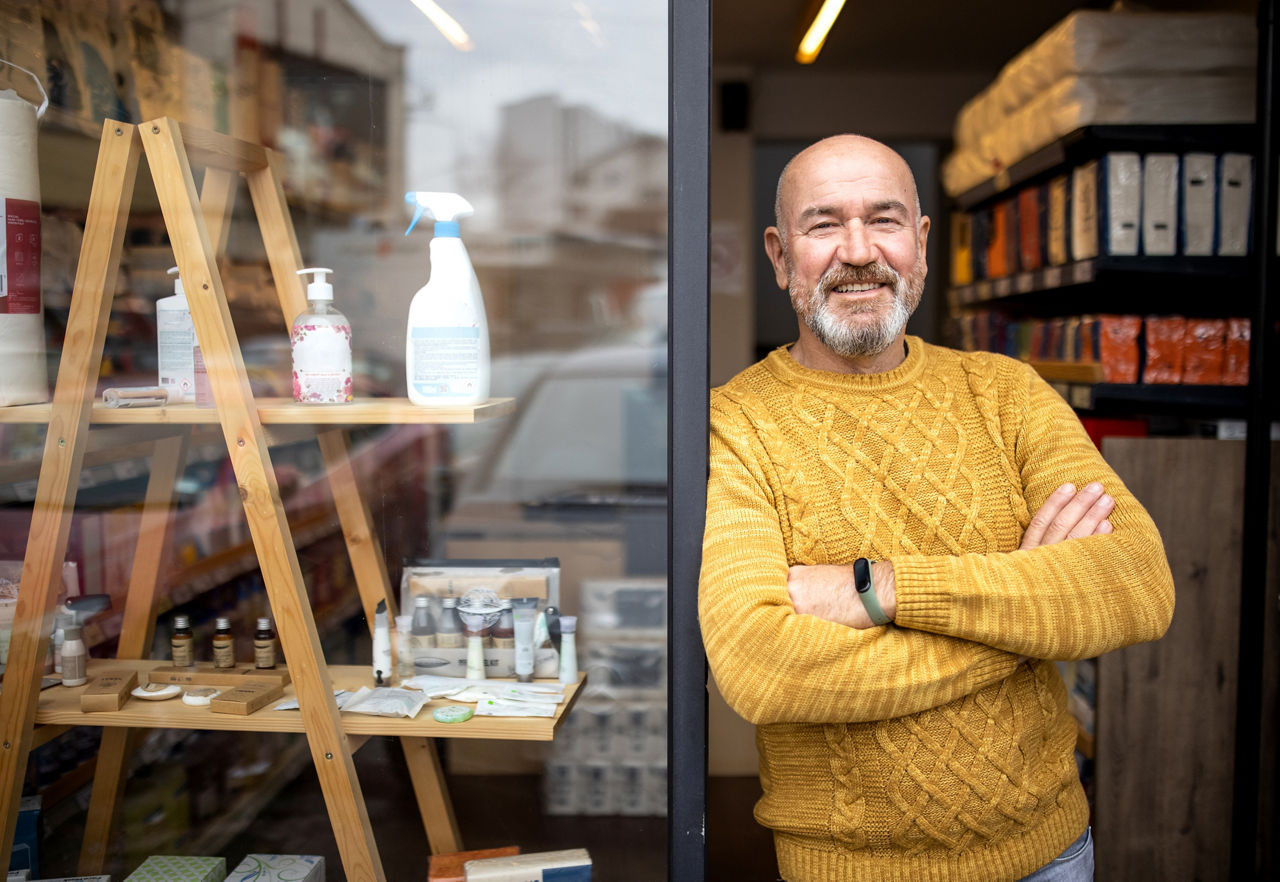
(773, 246)
(922, 241)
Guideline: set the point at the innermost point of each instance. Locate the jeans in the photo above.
(1073, 865)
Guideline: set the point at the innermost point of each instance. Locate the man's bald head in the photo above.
(836, 144)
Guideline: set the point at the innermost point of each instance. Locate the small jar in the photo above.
(264, 645)
(503, 633)
(181, 643)
(224, 644)
(75, 657)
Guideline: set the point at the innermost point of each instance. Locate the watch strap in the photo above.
(867, 593)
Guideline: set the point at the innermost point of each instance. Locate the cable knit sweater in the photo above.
(924, 749)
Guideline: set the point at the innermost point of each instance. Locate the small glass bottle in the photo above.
(75, 657)
(181, 643)
(264, 645)
(568, 649)
(449, 628)
(422, 631)
(503, 633)
(224, 644)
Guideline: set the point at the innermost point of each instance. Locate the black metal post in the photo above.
(1257, 488)
(688, 230)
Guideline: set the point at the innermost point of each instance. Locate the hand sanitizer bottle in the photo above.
(321, 342)
(447, 340)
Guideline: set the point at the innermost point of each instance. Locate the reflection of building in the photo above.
(582, 206)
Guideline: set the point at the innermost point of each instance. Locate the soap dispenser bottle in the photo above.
(447, 339)
(176, 346)
(321, 342)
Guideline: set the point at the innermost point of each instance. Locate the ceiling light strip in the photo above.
(811, 43)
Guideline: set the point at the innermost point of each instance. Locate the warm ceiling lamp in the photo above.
(816, 35)
(445, 24)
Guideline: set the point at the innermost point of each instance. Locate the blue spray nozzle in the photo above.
(440, 206)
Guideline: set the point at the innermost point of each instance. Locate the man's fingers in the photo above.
(1093, 518)
(1040, 521)
(1072, 514)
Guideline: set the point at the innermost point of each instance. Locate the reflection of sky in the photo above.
(610, 55)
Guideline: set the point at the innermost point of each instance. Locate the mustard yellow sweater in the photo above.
(921, 750)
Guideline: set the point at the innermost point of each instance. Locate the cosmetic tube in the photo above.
(381, 646)
(524, 616)
(568, 649)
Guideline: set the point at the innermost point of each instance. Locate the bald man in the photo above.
(900, 541)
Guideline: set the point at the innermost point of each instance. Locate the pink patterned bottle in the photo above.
(321, 341)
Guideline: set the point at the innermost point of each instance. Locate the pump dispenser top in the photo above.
(447, 339)
(318, 288)
(177, 282)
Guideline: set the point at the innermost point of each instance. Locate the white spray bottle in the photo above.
(447, 339)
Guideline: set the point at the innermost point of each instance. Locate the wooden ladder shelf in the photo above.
(198, 226)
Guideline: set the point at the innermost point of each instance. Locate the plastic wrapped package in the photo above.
(1099, 100)
(1102, 43)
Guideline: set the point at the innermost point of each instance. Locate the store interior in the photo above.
(554, 124)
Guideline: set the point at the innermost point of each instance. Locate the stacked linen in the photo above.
(1100, 68)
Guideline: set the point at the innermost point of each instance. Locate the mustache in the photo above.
(846, 274)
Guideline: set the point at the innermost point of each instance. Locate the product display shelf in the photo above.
(60, 705)
(198, 225)
(280, 411)
(1126, 278)
(1091, 142)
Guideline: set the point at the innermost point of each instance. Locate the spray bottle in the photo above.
(321, 342)
(447, 340)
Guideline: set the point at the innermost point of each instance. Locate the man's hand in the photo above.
(1068, 514)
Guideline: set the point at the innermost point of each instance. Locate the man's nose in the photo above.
(855, 247)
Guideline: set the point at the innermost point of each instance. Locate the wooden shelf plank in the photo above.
(1069, 371)
(60, 705)
(281, 411)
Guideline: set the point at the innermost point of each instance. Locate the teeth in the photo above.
(858, 289)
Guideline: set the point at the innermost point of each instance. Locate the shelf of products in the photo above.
(60, 705)
(1092, 141)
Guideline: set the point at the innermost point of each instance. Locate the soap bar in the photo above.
(451, 867)
(245, 699)
(279, 868)
(179, 868)
(205, 674)
(108, 692)
(570, 865)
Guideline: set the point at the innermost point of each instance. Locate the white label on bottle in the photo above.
(321, 363)
(445, 360)
(176, 343)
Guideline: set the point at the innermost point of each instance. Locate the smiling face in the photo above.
(850, 249)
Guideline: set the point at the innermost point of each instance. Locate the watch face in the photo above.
(863, 588)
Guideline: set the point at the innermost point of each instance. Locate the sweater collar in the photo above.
(780, 363)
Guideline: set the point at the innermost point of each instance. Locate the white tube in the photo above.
(524, 617)
(382, 668)
(475, 657)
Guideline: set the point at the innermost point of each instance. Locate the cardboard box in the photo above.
(451, 867)
(570, 865)
(179, 868)
(279, 868)
(205, 674)
(108, 691)
(246, 699)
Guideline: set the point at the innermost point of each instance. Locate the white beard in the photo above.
(862, 331)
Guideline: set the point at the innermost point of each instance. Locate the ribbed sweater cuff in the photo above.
(926, 593)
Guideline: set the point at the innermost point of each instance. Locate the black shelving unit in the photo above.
(1194, 287)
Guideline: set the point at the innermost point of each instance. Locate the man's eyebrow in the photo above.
(889, 205)
(818, 211)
